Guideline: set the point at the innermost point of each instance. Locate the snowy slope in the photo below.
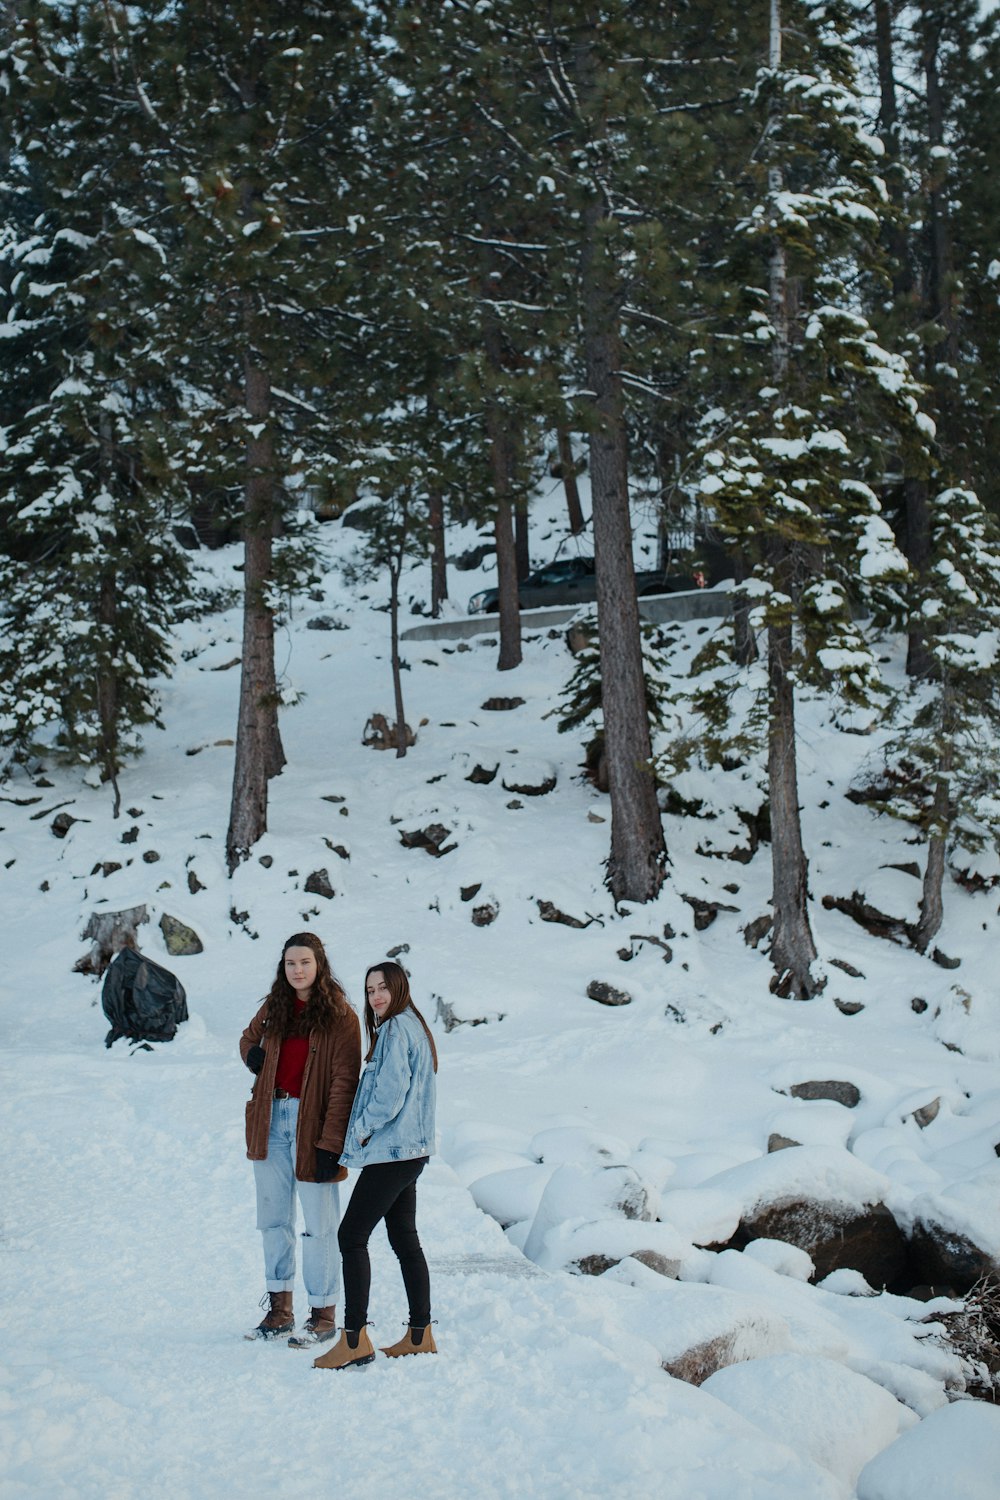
(129, 1262)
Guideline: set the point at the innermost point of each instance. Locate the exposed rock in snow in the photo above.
(607, 994)
(180, 940)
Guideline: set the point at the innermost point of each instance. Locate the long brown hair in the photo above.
(399, 988)
(327, 1001)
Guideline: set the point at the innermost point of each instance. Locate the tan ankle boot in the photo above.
(343, 1355)
(277, 1320)
(320, 1326)
(414, 1341)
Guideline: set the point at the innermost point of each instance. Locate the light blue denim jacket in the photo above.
(394, 1107)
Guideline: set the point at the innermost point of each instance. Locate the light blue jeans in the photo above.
(277, 1187)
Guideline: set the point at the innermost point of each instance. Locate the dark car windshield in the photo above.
(560, 572)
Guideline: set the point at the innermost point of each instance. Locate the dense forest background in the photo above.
(740, 264)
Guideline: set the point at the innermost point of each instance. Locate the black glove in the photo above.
(327, 1164)
(255, 1059)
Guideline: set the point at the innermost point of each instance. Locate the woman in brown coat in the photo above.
(304, 1045)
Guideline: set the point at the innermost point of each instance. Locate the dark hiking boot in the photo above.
(278, 1319)
(319, 1327)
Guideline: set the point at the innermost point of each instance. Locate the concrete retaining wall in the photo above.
(699, 604)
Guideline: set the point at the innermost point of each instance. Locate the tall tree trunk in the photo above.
(107, 614)
(932, 897)
(107, 688)
(897, 240)
(522, 549)
(636, 862)
(435, 521)
(941, 281)
(397, 675)
(896, 236)
(778, 272)
(508, 604)
(439, 563)
(792, 946)
(916, 507)
(744, 638)
(567, 464)
(942, 297)
(502, 459)
(259, 752)
(932, 894)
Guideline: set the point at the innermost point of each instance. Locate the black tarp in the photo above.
(142, 1000)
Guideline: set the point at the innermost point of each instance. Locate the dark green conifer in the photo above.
(92, 577)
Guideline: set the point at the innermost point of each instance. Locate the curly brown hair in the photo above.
(327, 1002)
(399, 988)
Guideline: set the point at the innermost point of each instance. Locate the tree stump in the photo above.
(109, 932)
(381, 735)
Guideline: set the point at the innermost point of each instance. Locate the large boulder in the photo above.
(833, 1235)
(955, 1231)
(595, 1247)
(557, 1144)
(817, 1406)
(511, 1196)
(825, 1201)
(576, 1192)
(698, 1329)
(955, 1451)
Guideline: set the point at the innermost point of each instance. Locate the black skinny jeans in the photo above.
(386, 1190)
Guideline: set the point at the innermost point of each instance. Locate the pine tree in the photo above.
(974, 171)
(943, 761)
(92, 578)
(794, 467)
(937, 75)
(262, 117)
(581, 701)
(464, 216)
(398, 483)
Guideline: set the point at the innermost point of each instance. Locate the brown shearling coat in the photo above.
(329, 1083)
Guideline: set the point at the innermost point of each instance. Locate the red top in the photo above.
(292, 1059)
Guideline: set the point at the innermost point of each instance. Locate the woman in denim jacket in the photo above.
(390, 1135)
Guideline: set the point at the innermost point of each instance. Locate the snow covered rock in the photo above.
(579, 1194)
(577, 1143)
(529, 778)
(823, 1200)
(433, 838)
(485, 1161)
(818, 1123)
(785, 1259)
(955, 1230)
(826, 1412)
(595, 1247)
(953, 1451)
(511, 1196)
(607, 994)
(698, 1329)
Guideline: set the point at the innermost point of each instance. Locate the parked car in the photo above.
(571, 580)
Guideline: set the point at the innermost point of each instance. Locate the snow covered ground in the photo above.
(129, 1262)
